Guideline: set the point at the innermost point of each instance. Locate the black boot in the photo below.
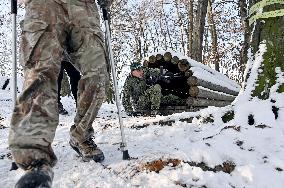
(88, 150)
(61, 109)
(38, 176)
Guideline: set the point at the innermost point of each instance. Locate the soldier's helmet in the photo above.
(135, 66)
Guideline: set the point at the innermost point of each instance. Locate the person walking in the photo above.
(47, 25)
(74, 77)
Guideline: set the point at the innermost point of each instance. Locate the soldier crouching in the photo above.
(141, 93)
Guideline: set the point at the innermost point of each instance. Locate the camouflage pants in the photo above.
(151, 99)
(49, 26)
(171, 99)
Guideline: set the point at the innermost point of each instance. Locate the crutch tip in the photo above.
(125, 155)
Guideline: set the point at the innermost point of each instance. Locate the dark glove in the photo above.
(134, 114)
(165, 79)
(152, 80)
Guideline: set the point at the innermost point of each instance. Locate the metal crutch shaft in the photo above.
(123, 145)
(14, 50)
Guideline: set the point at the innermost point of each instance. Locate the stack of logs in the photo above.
(200, 85)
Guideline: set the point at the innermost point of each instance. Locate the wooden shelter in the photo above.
(197, 84)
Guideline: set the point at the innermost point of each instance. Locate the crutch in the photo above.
(123, 145)
(14, 59)
(14, 50)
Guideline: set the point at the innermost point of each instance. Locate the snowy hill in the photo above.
(181, 150)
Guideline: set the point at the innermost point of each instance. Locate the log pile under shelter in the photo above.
(197, 84)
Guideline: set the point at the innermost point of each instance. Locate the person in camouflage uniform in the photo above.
(47, 26)
(140, 94)
(74, 77)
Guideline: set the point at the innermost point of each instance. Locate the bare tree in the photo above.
(198, 29)
(214, 37)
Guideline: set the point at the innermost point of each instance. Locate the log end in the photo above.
(152, 59)
(175, 60)
(159, 57)
(183, 65)
(188, 73)
(193, 91)
(167, 56)
(145, 63)
(192, 81)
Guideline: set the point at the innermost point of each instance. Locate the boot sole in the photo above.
(97, 158)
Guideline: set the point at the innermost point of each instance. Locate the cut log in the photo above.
(159, 57)
(191, 101)
(199, 72)
(145, 63)
(183, 65)
(200, 92)
(193, 81)
(168, 56)
(175, 60)
(152, 59)
(188, 73)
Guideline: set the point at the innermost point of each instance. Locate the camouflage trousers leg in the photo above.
(35, 116)
(90, 60)
(151, 98)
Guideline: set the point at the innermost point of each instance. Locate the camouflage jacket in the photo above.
(135, 87)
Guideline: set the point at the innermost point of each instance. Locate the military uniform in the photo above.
(46, 27)
(137, 95)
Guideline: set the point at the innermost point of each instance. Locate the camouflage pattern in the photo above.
(171, 99)
(137, 94)
(150, 99)
(49, 26)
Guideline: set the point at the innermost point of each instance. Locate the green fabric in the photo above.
(135, 66)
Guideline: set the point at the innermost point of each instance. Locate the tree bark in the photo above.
(214, 38)
(198, 30)
(193, 81)
(191, 101)
(245, 45)
(197, 91)
(270, 33)
(183, 65)
(190, 28)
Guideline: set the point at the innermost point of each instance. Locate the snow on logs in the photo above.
(198, 83)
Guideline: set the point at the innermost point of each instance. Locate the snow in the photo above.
(257, 152)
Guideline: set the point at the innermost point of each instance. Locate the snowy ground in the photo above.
(171, 151)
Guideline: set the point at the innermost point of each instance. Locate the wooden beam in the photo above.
(175, 60)
(193, 81)
(200, 92)
(145, 63)
(168, 56)
(152, 59)
(191, 101)
(183, 65)
(159, 57)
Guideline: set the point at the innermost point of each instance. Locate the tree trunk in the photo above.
(190, 28)
(191, 101)
(193, 81)
(214, 38)
(197, 91)
(269, 32)
(198, 30)
(245, 45)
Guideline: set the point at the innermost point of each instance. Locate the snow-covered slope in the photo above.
(171, 151)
